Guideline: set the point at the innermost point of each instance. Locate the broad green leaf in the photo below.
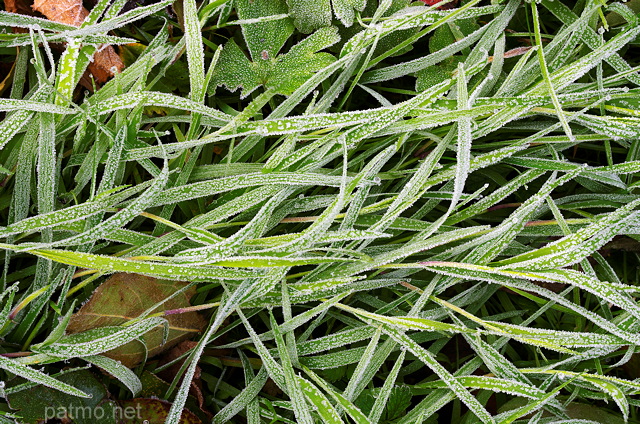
(268, 36)
(283, 73)
(345, 10)
(310, 15)
(235, 71)
(38, 403)
(294, 68)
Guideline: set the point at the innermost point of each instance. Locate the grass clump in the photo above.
(386, 212)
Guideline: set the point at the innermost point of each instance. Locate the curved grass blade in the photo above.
(119, 371)
(99, 340)
(39, 377)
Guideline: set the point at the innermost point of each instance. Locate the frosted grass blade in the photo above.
(241, 400)
(110, 264)
(575, 247)
(99, 340)
(119, 371)
(453, 384)
(39, 377)
(300, 407)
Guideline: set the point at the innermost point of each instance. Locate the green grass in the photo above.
(389, 213)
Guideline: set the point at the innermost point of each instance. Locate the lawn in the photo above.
(319, 211)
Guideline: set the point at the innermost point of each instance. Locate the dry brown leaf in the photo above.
(22, 7)
(124, 297)
(72, 12)
(105, 61)
(170, 373)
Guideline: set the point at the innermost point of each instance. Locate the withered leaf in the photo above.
(155, 387)
(72, 12)
(151, 411)
(22, 7)
(170, 373)
(124, 297)
(104, 63)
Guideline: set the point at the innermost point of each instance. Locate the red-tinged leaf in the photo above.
(124, 297)
(449, 5)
